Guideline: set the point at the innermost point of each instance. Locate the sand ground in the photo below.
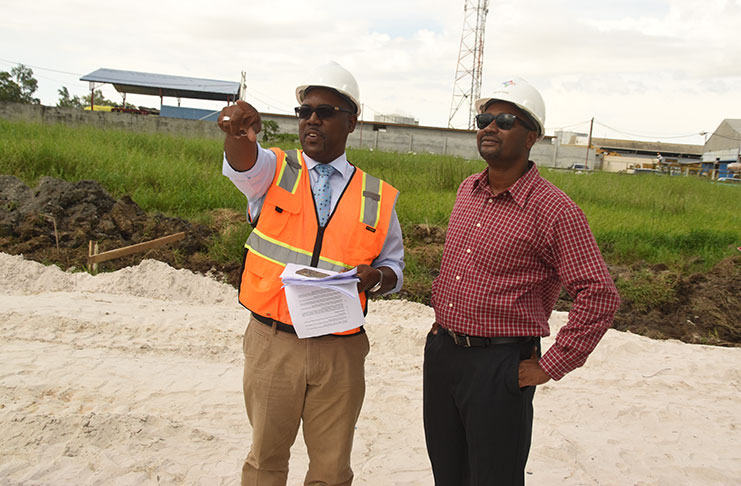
(134, 378)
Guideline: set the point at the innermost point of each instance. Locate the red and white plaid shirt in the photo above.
(505, 260)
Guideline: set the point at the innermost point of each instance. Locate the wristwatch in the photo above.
(377, 287)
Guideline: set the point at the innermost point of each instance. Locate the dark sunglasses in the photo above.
(323, 112)
(504, 121)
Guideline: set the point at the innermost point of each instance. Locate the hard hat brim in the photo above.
(301, 92)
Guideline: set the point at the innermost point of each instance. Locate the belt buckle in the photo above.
(458, 341)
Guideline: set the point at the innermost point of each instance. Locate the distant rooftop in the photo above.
(634, 146)
(165, 85)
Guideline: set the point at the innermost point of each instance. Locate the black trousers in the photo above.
(478, 422)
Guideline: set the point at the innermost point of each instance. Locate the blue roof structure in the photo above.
(165, 85)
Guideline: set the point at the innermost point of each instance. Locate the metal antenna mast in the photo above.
(467, 87)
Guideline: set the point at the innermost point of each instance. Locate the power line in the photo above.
(39, 67)
(727, 137)
(646, 136)
(568, 126)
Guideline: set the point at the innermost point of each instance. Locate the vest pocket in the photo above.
(274, 218)
(363, 243)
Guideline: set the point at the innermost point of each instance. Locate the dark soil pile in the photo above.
(55, 221)
(699, 308)
(703, 308)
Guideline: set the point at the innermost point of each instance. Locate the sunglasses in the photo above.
(504, 121)
(323, 112)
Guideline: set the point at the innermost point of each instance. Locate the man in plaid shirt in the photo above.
(513, 241)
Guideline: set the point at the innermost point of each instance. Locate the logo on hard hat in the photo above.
(509, 83)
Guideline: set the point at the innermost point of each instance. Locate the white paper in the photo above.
(321, 305)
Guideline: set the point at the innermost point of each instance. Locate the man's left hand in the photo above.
(368, 277)
(531, 373)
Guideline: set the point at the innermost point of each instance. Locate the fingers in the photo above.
(251, 135)
(362, 274)
(240, 120)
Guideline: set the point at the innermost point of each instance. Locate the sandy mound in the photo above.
(134, 378)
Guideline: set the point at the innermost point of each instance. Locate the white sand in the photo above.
(134, 378)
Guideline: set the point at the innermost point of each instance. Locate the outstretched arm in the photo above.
(241, 123)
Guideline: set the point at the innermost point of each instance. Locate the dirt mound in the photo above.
(53, 223)
(702, 308)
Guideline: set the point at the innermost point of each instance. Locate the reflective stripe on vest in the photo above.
(290, 172)
(370, 211)
(288, 232)
(283, 253)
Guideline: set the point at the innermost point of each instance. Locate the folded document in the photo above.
(322, 301)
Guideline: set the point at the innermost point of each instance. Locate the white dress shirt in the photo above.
(255, 182)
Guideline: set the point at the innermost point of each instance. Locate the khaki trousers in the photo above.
(320, 381)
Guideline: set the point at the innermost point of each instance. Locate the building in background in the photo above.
(723, 148)
(617, 155)
(395, 118)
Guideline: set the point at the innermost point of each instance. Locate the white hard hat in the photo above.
(332, 75)
(521, 93)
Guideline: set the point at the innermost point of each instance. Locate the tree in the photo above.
(269, 130)
(65, 101)
(18, 85)
(98, 99)
(271, 133)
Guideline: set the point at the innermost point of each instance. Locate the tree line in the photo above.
(19, 85)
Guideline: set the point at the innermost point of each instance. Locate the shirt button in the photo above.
(457, 277)
(478, 225)
(468, 251)
(450, 305)
(491, 200)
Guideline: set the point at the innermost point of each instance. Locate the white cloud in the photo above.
(649, 67)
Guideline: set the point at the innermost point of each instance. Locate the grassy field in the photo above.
(672, 220)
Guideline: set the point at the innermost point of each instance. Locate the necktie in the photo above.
(322, 192)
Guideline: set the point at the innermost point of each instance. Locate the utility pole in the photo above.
(243, 87)
(589, 143)
(467, 85)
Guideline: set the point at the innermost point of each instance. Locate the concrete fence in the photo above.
(388, 137)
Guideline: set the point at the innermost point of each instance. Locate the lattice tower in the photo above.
(467, 88)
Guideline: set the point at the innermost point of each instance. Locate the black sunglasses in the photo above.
(504, 121)
(323, 112)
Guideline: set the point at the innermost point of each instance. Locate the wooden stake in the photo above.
(95, 258)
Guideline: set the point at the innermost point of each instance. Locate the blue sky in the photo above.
(647, 70)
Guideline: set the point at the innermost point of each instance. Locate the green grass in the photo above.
(673, 220)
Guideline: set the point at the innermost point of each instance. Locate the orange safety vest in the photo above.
(288, 231)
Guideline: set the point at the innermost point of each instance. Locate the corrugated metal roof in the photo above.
(651, 147)
(165, 85)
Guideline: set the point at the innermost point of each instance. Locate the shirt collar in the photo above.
(519, 191)
(340, 164)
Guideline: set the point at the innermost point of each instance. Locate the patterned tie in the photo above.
(322, 192)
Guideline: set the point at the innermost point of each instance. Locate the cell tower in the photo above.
(467, 87)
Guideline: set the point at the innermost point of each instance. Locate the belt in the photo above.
(467, 341)
(279, 325)
(289, 328)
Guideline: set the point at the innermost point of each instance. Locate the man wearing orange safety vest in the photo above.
(309, 207)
